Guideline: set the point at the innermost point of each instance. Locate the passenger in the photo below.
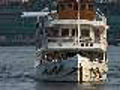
(53, 60)
(95, 60)
(49, 57)
(100, 61)
(45, 57)
(56, 60)
(91, 59)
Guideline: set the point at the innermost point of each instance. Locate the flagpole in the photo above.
(78, 20)
(78, 39)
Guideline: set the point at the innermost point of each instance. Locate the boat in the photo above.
(71, 43)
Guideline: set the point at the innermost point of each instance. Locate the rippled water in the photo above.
(17, 72)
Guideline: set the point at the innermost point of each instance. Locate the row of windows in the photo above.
(71, 6)
(66, 6)
(66, 32)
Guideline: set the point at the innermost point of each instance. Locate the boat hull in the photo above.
(58, 71)
(68, 71)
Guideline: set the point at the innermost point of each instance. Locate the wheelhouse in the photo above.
(68, 9)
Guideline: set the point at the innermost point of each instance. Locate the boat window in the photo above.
(58, 8)
(65, 32)
(53, 33)
(105, 55)
(75, 7)
(73, 32)
(101, 56)
(85, 33)
(83, 6)
(92, 55)
(70, 6)
(76, 31)
(91, 7)
(62, 7)
(81, 1)
(97, 55)
(66, 6)
(97, 35)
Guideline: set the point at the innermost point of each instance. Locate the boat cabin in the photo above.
(69, 33)
(69, 9)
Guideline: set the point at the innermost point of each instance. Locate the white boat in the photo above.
(72, 43)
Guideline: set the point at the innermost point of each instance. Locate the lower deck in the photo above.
(77, 68)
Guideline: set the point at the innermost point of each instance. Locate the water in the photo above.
(17, 72)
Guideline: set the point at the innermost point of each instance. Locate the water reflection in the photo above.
(76, 86)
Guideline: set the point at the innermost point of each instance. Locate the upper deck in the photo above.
(102, 22)
(72, 9)
(80, 27)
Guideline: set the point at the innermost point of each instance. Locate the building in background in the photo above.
(6, 2)
(15, 30)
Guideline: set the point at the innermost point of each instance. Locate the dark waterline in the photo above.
(17, 72)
